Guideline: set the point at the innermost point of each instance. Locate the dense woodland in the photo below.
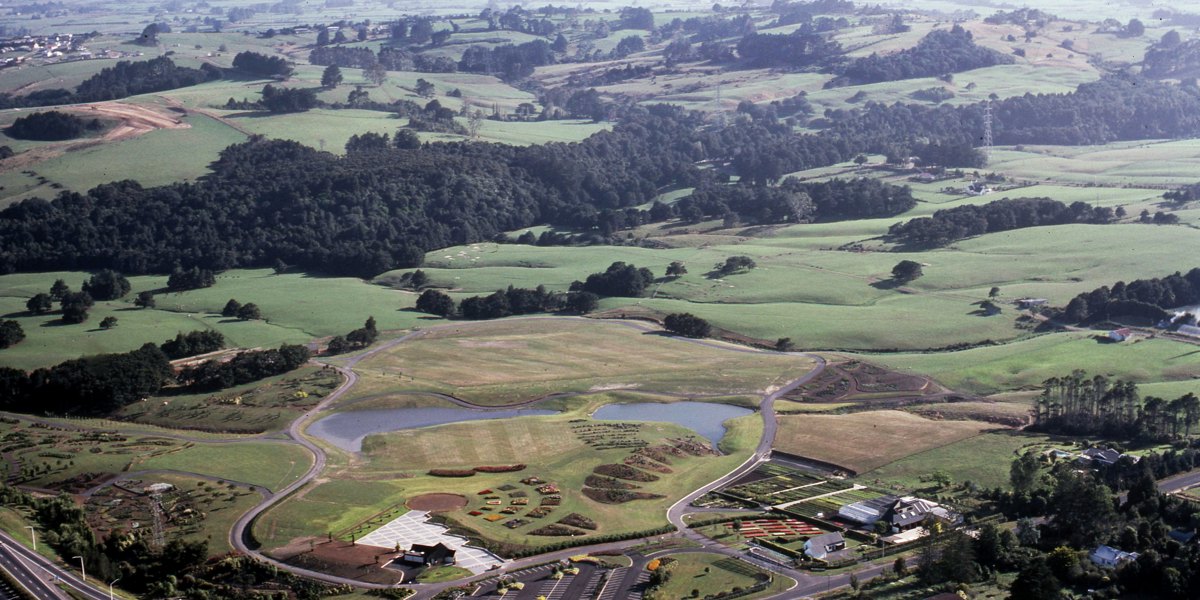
(1147, 298)
(960, 222)
(362, 214)
(50, 126)
(939, 53)
(126, 78)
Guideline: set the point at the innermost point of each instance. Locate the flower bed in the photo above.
(624, 472)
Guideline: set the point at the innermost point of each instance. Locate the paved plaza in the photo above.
(413, 527)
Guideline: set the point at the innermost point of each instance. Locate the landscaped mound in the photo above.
(637, 460)
(436, 502)
(451, 472)
(500, 468)
(578, 520)
(606, 496)
(555, 529)
(624, 472)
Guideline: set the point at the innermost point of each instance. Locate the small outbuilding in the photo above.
(435, 555)
(1110, 558)
(821, 546)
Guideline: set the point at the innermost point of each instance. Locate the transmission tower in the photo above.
(156, 512)
(987, 131)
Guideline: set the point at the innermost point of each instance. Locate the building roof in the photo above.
(1108, 554)
(867, 511)
(826, 539)
(436, 548)
(1105, 455)
(1191, 330)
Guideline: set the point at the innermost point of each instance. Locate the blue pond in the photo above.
(705, 418)
(346, 430)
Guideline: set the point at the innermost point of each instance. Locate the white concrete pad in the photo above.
(414, 527)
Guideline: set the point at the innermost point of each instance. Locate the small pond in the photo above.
(705, 418)
(346, 430)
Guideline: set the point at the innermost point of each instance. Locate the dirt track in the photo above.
(133, 120)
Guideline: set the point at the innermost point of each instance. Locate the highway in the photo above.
(36, 573)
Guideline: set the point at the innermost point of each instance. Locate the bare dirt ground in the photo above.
(436, 502)
(133, 120)
(343, 559)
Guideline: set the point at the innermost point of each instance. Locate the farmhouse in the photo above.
(1027, 303)
(1120, 335)
(902, 514)
(1102, 456)
(1109, 557)
(1190, 330)
(821, 546)
(438, 554)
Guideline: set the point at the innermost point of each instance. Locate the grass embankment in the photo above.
(712, 573)
(504, 362)
(867, 440)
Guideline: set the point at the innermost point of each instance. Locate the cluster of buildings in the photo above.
(63, 46)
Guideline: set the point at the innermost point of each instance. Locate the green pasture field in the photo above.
(504, 362)
(864, 441)
(57, 456)
(297, 308)
(156, 158)
(715, 573)
(271, 465)
(984, 459)
(393, 465)
(266, 405)
(1141, 162)
(1027, 363)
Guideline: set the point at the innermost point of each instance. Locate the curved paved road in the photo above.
(240, 537)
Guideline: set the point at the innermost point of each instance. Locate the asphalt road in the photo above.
(36, 572)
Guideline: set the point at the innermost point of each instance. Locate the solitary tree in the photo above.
(435, 303)
(376, 73)
(687, 325)
(108, 322)
(249, 312)
(331, 77)
(994, 292)
(231, 308)
(59, 289)
(10, 333)
(39, 304)
(144, 299)
(906, 271)
(75, 307)
(107, 285)
(676, 269)
(784, 344)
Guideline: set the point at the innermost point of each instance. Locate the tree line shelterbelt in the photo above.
(124, 79)
(103, 383)
(951, 224)
(380, 209)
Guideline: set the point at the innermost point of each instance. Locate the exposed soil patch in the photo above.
(343, 559)
(133, 120)
(436, 502)
(866, 383)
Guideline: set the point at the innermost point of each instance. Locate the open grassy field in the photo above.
(504, 362)
(73, 457)
(864, 441)
(984, 459)
(393, 468)
(1029, 362)
(715, 573)
(265, 405)
(296, 307)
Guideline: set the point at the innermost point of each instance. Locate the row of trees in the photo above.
(126, 78)
(245, 367)
(1148, 298)
(952, 224)
(1079, 405)
(359, 338)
